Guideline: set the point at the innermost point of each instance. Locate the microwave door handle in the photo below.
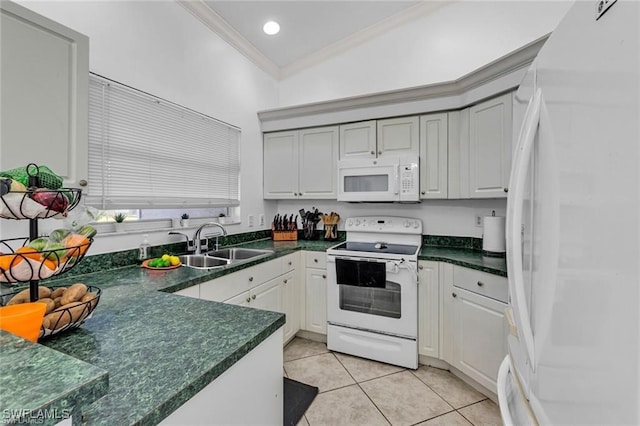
(397, 179)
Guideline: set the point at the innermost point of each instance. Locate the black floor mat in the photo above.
(297, 398)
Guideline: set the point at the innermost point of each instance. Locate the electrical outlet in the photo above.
(478, 221)
(261, 220)
(250, 220)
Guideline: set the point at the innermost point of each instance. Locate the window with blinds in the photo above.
(146, 152)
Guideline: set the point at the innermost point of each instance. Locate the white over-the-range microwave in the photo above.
(384, 179)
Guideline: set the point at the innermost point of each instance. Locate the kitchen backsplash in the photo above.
(119, 259)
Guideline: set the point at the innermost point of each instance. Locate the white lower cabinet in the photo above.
(193, 291)
(255, 381)
(315, 287)
(475, 331)
(428, 308)
(267, 296)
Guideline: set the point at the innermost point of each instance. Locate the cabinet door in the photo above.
(428, 309)
(433, 156)
(358, 140)
(290, 304)
(480, 336)
(242, 299)
(318, 157)
(490, 132)
(398, 136)
(316, 300)
(280, 165)
(45, 87)
(267, 296)
(193, 291)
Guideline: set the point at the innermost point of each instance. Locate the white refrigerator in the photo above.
(573, 234)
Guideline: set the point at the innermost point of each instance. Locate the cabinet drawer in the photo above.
(289, 263)
(316, 259)
(482, 283)
(230, 285)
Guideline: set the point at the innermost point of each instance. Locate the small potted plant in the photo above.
(184, 220)
(222, 218)
(119, 218)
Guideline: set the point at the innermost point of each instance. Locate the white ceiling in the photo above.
(311, 30)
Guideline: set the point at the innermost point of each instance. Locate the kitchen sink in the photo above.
(202, 261)
(237, 254)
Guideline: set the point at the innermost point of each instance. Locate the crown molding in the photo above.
(218, 25)
(407, 15)
(502, 69)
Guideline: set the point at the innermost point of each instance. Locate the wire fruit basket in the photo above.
(59, 317)
(35, 192)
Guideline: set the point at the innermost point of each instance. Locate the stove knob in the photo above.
(349, 222)
(416, 224)
(406, 224)
(357, 222)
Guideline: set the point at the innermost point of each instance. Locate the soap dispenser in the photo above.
(145, 248)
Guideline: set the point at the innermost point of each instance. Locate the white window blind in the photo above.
(146, 152)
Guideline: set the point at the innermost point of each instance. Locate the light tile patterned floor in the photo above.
(356, 391)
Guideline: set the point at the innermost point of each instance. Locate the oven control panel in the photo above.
(384, 224)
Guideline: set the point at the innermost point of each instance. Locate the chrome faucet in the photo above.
(190, 244)
(196, 236)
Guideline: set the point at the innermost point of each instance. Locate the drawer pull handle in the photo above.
(250, 279)
(285, 281)
(248, 300)
(253, 297)
(480, 284)
(454, 295)
(420, 267)
(324, 276)
(290, 263)
(315, 260)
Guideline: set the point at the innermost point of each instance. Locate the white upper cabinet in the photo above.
(358, 140)
(318, 156)
(480, 141)
(44, 84)
(433, 156)
(398, 136)
(281, 165)
(490, 134)
(301, 164)
(376, 138)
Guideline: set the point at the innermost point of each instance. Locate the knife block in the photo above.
(284, 235)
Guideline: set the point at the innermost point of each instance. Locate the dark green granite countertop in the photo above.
(160, 349)
(42, 386)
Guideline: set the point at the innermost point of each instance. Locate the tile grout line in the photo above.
(363, 391)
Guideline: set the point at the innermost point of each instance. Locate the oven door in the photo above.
(373, 294)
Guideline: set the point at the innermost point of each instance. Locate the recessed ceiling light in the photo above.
(271, 28)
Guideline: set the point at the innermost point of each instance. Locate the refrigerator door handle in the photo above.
(515, 201)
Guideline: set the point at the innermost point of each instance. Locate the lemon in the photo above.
(165, 257)
(175, 260)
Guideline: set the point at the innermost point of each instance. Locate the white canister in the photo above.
(493, 235)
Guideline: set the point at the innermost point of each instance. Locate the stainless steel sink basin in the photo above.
(202, 261)
(238, 254)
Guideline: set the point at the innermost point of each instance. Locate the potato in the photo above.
(73, 293)
(51, 305)
(91, 298)
(23, 296)
(57, 301)
(66, 314)
(58, 292)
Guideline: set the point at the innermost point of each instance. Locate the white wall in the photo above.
(161, 48)
(441, 46)
(439, 217)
